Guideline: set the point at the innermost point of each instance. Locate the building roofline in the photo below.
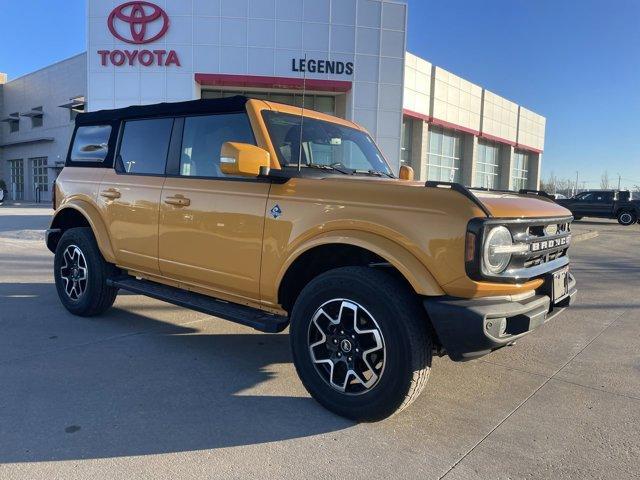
(483, 88)
(45, 67)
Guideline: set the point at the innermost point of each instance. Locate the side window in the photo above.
(91, 143)
(144, 145)
(203, 138)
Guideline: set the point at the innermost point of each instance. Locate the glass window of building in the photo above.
(445, 154)
(407, 138)
(36, 120)
(40, 175)
(520, 171)
(16, 179)
(488, 165)
(319, 103)
(14, 125)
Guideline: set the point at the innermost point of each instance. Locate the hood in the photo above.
(499, 204)
(511, 205)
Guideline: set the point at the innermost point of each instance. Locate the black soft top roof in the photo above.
(192, 107)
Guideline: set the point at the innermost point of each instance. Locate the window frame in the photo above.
(520, 173)
(458, 139)
(495, 175)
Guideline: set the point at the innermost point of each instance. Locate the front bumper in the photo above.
(470, 328)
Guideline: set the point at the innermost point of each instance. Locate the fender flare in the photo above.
(414, 271)
(93, 217)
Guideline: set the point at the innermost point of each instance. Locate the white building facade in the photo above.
(344, 57)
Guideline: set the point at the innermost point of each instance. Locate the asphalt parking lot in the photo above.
(150, 390)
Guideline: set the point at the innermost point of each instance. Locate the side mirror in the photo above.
(243, 159)
(406, 173)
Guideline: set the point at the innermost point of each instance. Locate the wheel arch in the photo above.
(81, 214)
(351, 248)
(628, 208)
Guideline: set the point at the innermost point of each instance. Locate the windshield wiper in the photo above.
(375, 173)
(335, 167)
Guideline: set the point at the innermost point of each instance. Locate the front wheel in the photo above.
(81, 274)
(360, 343)
(627, 218)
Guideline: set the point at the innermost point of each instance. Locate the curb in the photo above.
(581, 237)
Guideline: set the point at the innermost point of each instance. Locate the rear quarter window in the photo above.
(91, 144)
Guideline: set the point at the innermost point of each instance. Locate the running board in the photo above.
(251, 317)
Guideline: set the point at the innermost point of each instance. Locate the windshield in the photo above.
(324, 145)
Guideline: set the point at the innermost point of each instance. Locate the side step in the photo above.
(251, 317)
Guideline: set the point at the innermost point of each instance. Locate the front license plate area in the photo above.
(560, 284)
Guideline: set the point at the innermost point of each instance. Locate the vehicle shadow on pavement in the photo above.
(126, 384)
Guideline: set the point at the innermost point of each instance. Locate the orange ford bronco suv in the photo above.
(274, 217)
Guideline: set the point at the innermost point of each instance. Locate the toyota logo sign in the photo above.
(138, 22)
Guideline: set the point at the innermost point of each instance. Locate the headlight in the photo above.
(496, 253)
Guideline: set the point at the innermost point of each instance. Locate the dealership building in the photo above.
(343, 57)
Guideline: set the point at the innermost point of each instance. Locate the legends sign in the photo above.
(332, 67)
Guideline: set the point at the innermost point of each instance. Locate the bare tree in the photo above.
(605, 183)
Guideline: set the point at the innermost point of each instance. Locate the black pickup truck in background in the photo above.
(604, 204)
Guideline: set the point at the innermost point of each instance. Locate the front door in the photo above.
(211, 226)
(593, 204)
(129, 195)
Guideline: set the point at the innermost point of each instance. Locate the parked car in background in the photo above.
(604, 204)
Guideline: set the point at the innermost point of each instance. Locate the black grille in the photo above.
(548, 241)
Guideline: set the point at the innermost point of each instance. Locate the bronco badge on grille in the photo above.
(549, 244)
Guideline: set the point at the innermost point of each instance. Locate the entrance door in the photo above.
(40, 179)
(129, 195)
(16, 179)
(211, 225)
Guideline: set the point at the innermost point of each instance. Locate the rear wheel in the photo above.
(360, 343)
(81, 274)
(627, 218)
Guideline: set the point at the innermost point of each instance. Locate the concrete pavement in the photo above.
(150, 390)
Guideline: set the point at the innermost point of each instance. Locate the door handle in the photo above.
(178, 201)
(110, 193)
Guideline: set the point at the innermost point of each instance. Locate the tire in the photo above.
(627, 218)
(88, 296)
(400, 356)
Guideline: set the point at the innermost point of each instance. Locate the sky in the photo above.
(577, 62)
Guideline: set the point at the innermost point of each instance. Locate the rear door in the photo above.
(595, 204)
(211, 225)
(129, 195)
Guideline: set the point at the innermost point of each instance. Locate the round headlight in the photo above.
(496, 259)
